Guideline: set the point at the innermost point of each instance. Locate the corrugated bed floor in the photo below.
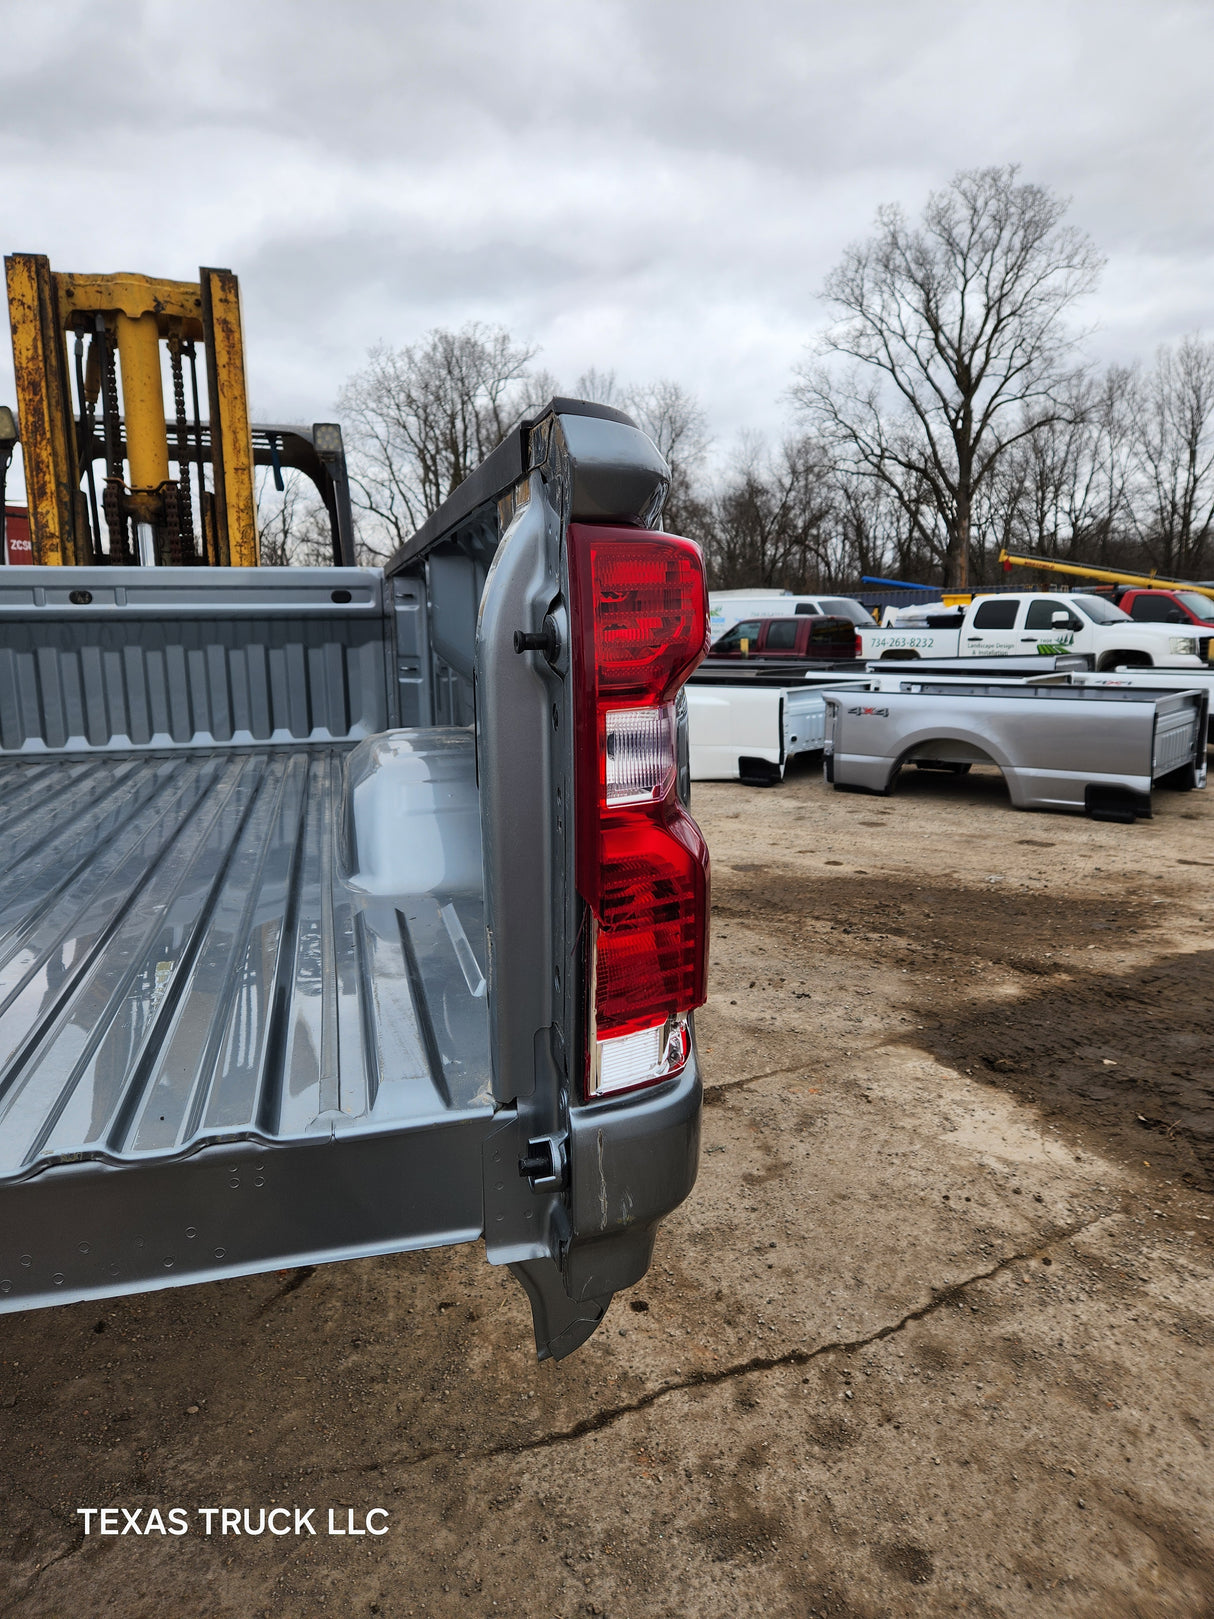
(181, 962)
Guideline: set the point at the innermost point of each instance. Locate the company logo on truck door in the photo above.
(884, 712)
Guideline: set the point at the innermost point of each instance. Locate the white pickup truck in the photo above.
(1027, 622)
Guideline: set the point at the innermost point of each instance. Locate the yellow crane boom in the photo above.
(1108, 576)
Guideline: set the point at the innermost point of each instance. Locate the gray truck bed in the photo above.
(182, 963)
(293, 965)
(1058, 746)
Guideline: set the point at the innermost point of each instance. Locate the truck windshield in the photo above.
(1100, 612)
(732, 641)
(845, 607)
(1201, 607)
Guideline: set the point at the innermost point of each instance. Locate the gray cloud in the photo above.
(656, 188)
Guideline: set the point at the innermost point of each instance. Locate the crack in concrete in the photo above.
(602, 1420)
(23, 1489)
(54, 1513)
(757, 1363)
(713, 1093)
(59, 1557)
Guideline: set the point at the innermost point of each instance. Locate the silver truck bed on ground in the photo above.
(1059, 747)
(1152, 680)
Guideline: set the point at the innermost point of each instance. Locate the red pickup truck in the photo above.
(815, 635)
(1166, 607)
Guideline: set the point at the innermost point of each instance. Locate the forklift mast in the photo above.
(89, 353)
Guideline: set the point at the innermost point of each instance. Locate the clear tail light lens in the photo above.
(624, 1061)
(638, 754)
(641, 612)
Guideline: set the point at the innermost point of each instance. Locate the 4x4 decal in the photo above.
(884, 712)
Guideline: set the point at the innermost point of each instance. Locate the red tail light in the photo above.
(641, 613)
(859, 647)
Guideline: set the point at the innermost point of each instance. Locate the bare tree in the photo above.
(794, 520)
(773, 520)
(419, 419)
(1063, 490)
(293, 524)
(1174, 502)
(600, 387)
(877, 532)
(675, 421)
(956, 330)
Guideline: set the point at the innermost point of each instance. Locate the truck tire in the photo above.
(1124, 660)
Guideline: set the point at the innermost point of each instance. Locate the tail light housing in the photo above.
(640, 627)
(858, 651)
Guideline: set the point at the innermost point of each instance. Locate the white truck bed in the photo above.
(1150, 680)
(749, 731)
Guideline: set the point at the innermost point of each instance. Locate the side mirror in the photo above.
(1061, 621)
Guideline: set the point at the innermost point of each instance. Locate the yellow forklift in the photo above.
(111, 477)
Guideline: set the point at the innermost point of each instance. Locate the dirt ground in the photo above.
(931, 1336)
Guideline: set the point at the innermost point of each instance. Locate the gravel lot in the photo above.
(932, 1335)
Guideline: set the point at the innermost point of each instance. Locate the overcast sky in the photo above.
(654, 187)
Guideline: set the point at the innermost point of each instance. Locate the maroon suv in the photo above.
(809, 635)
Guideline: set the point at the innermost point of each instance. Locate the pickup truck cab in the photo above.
(816, 636)
(1169, 607)
(1021, 622)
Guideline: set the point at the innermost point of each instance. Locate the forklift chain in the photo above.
(185, 512)
(112, 501)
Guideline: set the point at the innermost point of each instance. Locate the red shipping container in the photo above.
(17, 536)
